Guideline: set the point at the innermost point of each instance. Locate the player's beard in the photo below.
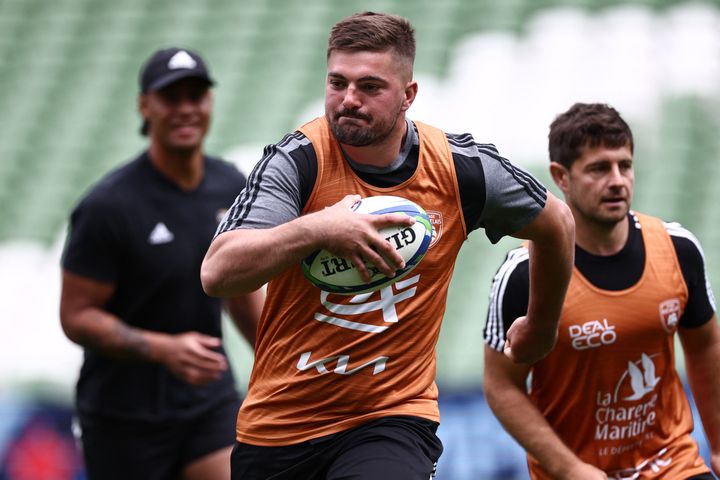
(603, 219)
(357, 136)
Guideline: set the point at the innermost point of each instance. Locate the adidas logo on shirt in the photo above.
(160, 234)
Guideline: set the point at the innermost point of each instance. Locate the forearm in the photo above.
(245, 312)
(551, 254)
(526, 424)
(550, 264)
(241, 261)
(521, 419)
(96, 329)
(550, 267)
(701, 366)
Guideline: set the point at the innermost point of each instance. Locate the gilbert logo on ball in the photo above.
(337, 275)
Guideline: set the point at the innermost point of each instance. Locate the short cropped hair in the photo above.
(373, 32)
(586, 125)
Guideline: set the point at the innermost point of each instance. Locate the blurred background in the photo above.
(499, 69)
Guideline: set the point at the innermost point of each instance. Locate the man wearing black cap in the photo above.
(155, 397)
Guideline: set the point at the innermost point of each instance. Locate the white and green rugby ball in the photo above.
(338, 275)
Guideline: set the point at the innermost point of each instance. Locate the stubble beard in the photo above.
(361, 136)
(606, 220)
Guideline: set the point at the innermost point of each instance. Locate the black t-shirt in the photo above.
(616, 272)
(139, 231)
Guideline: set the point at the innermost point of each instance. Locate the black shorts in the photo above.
(391, 448)
(124, 450)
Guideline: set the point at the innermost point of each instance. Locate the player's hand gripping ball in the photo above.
(338, 275)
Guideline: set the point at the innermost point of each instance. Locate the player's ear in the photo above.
(143, 106)
(560, 175)
(411, 89)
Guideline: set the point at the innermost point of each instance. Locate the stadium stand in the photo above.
(68, 94)
(68, 108)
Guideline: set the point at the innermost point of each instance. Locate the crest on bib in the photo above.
(670, 314)
(436, 220)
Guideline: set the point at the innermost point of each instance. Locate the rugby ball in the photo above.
(338, 275)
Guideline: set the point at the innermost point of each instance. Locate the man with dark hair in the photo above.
(343, 385)
(155, 398)
(607, 402)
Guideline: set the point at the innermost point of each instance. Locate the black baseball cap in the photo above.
(167, 66)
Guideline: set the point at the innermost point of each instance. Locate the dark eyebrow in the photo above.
(368, 78)
(603, 162)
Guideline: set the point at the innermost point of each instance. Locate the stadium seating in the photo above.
(68, 93)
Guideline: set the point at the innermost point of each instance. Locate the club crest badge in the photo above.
(670, 314)
(436, 220)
